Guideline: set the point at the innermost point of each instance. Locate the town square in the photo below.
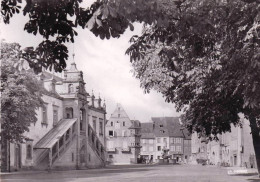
(130, 90)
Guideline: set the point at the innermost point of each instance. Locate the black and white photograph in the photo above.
(130, 91)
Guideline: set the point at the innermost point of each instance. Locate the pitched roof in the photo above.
(147, 130)
(119, 110)
(135, 124)
(169, 127)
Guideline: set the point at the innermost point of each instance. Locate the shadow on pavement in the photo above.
(66, 176)
(254, 180)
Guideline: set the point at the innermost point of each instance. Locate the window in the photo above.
(44, 114)
(71, 89)
(29, 151)
(81, 120)
(165, 140)
(111, 124)
(110, 144)
(150, 141)
(161, 125)
(55, 116)
(159, 148)
(158, 140)
(144, 148)
(69, 112)
(150, 149)
(74, 128)
(100, 127)
(81, 114)
(177, 140)
(123, 123)
(67, 134)
(171, 140)
(124, 134)
(111, 133)
(119, 115)
(162, 131)
(94, 124)
(110, 156)
(117, 125)
(172, 148)
(81, 125)
(61, 142)
(72, 157)
(178, 148)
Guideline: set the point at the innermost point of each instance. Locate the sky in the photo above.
(106, 69)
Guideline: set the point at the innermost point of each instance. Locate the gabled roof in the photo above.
(119, 110)
(47, 76)
(147, 130)
(169, 127)
(135, 124)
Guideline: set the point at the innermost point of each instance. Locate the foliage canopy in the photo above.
(20, 95)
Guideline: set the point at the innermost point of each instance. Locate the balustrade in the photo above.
(59, 148)
(95, 142)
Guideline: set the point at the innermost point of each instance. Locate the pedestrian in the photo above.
(151, 160)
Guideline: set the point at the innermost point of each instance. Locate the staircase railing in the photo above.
(96, 143)
(62, 149)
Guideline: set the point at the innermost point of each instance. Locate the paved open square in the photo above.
(135, 173)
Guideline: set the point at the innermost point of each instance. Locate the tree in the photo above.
(56, 22)
(20, 97)
(207, 63)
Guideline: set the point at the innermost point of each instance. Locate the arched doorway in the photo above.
(82, 154)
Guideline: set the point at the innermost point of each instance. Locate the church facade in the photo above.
(69, 132)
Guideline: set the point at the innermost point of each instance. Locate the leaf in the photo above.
(99, 23)
(131, 26)
(105, 13)
(91, 23)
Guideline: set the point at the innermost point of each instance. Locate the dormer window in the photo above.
(162, 131)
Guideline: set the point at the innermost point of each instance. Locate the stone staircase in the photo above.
(54, 144)
(96, 145)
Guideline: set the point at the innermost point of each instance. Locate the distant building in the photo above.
(198, 148)
(70, 127)
(148, 143)
(167, 134)
(234, 148)
(123, 138)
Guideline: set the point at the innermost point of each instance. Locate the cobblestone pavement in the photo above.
(133, 173)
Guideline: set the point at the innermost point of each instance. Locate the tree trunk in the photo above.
(5, 155)
(256, 140)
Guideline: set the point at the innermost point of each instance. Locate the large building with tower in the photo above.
(69, 132)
